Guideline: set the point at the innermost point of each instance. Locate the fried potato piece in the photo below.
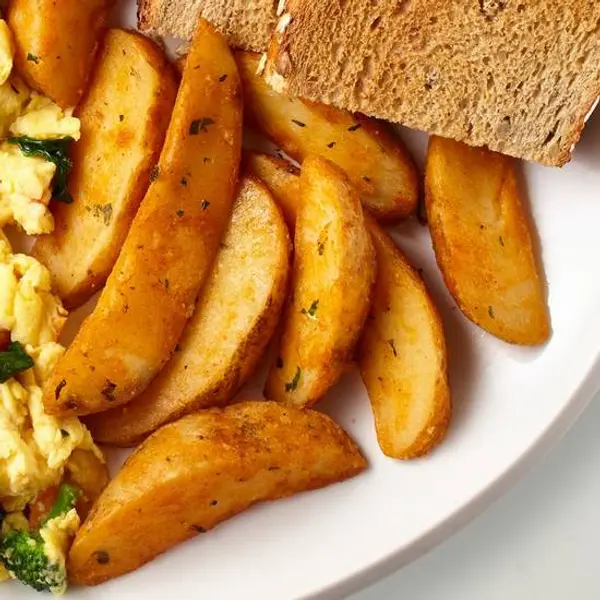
(402, 356)
(55, 44)
(168, 254)
(375, 160)
(283, 180)
(234, 320)
(482, 241)
(334, 272)
(193, 474)
(124, 118)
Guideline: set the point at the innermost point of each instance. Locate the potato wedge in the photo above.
(482, 241)
(124, 117)
(193, 474)
(170, 248)
(334, 272)
(375, 160)
(226, 337)
(402, 356)
(282, 179)
(55, 44)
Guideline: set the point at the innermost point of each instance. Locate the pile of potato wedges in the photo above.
(206, 254)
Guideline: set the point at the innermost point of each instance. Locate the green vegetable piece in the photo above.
(23, 554)
(66, 500)
(13, 360)
(55, 151)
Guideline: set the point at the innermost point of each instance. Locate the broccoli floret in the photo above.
(23, 553)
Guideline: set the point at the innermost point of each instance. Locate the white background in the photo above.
(541, 540)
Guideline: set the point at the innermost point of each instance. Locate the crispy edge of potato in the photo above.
(333, 277)
(363, 147)
(175, 391)
(476, 252)
(281, 177)
(169, 251)
(192, 474)
(402, 316)
(80, 266)
(56, 42)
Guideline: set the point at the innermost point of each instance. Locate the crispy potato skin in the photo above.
(196, 472)
(376, 161)
(281, 177)
(402, 357)
(55, 44)
(168, 254)
(226, 337)
(483, 243)
(124, 117)
(333, 276)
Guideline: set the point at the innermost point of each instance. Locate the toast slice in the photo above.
(519, 76)
(246, 24)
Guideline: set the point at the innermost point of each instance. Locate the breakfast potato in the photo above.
(334, 272)
(168, 254)
(482, 241)
(196, 472)
(55, 44)
(282, 178)
(124, 117)
(226, 337)
(402, 356)
(376, 161)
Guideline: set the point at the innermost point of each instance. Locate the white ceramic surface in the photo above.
(510, 404)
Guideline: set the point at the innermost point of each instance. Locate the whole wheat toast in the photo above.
(520, 76)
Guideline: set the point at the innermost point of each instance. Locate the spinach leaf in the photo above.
(56, 151)
(13, 360)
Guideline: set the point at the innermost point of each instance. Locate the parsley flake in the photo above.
(293, 384)
(199, 125)
(33, 58)
(312, 311)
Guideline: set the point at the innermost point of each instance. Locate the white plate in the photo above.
(510, 404)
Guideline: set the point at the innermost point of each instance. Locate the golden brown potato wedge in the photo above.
(168, 254)
(55, 44)
(283, 180)
(376, 161)
(226, 337)
(193, 474)
(482, 241)
(402, 356)
(334, 272)
(124, 117)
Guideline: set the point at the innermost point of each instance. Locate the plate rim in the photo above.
(573, 409)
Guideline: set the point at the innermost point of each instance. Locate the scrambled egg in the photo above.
(34, 446)
(26, 182)
(57, 534)
(28, 309)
